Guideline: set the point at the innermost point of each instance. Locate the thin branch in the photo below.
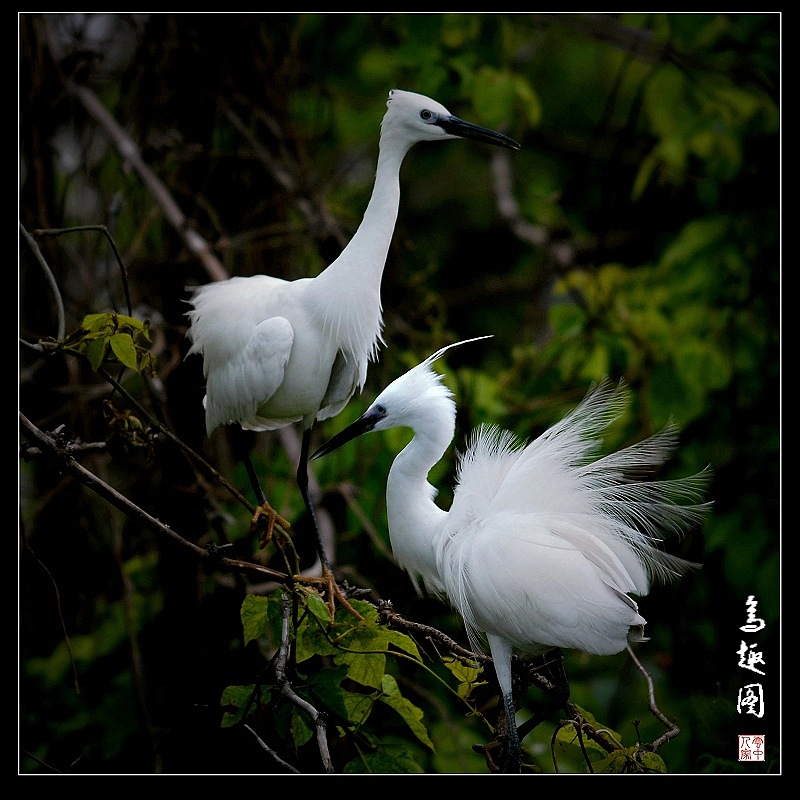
(196, 457)
(59, 612)
(271, 752)
(390, 617)
(672, 729)
(286, 688)
(153, 422)
(53, 448)
(62, 331)
(104, 230)
(196, 244)
(313, 216)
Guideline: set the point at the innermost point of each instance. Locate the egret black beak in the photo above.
(364, 424)
(466, 130)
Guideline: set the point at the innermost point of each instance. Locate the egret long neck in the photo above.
(348, 292)
(414, 518)
(364, 257)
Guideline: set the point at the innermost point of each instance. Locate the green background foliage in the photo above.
(642, 244)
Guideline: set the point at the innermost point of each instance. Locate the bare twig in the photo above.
(672, 729)
(286, 688)
(130, 152)
(59, 611)
(271, 752)
(317, 218)
(51, 447)
(104, 230)
(62, 332)
(390, 617)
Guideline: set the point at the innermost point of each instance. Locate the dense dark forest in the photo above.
(634, 236)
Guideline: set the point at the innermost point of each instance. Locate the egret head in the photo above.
(418, 399)
(421, 119)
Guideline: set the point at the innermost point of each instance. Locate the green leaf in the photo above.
(124, 349)
(110, 321)
(652, 762)
(392, 756)
(316, 630)
(240, 699)
(467, 676)
(357, 707)
(319, 608)
(568, 734)
(363, 651)
(94, 323)
(326, 685)
(364, 668)
(95, 352)
(254, 614)
(403, 642)
(300, 727)
(613, 763)
(390, 694)
(632, 759)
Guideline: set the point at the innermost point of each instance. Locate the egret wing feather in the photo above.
(236, 389)
(554, 592)
(244, 363)
(561, 523)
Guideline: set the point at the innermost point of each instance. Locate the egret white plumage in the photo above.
(544, 542)
(279, 352)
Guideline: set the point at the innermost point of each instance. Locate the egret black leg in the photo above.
(512, 757)
(327, 578)
(504, 752)
(263, 507)
(302, 482)
(555, 684)
(254, 482)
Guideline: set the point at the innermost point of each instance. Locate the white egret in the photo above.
(279, 352)
(544, 542)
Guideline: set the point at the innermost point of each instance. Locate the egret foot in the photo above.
(498, 756)
(332, 590)
(511, 751)
(504, 752)
(267, 527)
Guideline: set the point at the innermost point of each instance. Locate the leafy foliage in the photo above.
(112, 338)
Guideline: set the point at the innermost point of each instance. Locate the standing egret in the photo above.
(278, 352)
(543, 542)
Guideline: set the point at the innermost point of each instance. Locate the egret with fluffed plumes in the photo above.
(279, 352)
(544, 542)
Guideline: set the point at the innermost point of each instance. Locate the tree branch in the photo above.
(196, 244)
(286, 688)
(52, 447)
